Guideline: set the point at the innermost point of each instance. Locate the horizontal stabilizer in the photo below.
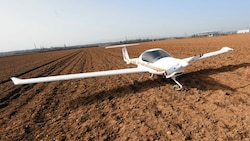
(123, 45)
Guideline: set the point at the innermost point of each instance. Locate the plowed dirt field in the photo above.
(214, 106)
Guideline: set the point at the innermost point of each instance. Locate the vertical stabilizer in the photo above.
(124, 51)
(125, 55)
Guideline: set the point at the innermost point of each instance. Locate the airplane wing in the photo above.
(206, 55)
(18, 81)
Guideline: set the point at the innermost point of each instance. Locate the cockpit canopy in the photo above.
(152, 56)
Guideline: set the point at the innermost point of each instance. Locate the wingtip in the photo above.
(227, 49)
(15, 80)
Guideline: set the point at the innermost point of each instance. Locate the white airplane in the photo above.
(154, 61)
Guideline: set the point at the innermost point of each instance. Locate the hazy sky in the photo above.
(48, 23)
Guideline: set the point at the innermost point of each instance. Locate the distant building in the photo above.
(243, 31)
(208, 34)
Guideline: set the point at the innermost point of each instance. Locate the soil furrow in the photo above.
(35, 68)
(49, 69)
(38, 117)
(52, 103)
(29, 96)
(21, 89)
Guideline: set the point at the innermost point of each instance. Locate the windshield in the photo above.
(155, 55)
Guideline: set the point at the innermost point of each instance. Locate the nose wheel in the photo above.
(177, 87)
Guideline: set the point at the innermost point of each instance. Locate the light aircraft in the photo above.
(154, 61)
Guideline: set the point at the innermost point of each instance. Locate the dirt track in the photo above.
(214, 106)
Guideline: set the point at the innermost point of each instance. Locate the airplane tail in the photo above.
(124, 51)
(125, 55)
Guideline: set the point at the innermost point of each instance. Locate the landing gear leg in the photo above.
(151, 76)
(136, 82)
(177, 87)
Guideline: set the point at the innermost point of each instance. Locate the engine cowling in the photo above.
(175, 68)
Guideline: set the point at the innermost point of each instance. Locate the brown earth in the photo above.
(214, 106)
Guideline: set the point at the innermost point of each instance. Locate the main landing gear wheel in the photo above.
(177, 87)
(136, 83)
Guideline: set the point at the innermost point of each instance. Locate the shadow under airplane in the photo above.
(199, 79)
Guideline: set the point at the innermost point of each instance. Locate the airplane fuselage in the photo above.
(160, 62)
(164, 66)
